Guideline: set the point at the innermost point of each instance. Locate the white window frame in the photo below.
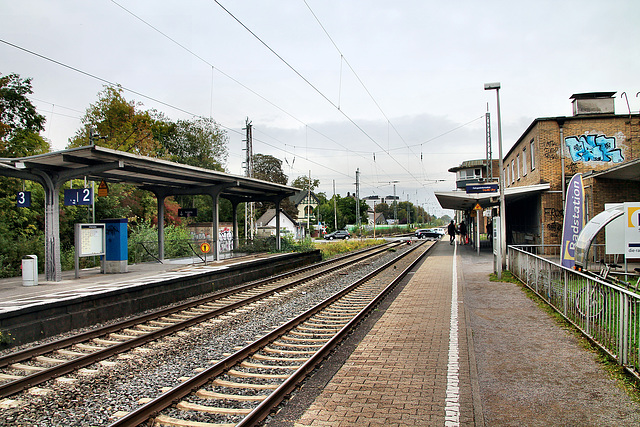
(533, 155)
(524, 162)
(513, 175)
(518, 167)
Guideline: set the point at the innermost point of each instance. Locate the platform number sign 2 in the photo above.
(23, 199)
(78, 196)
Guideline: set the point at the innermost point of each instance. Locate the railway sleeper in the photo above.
(27, 368)
(259, 356)
(296, 339)
(107, 343)
(279, 351)
(241, 374)
(233, 384)
(206, 394)
(307, 334)
(70, 353)
(188, 406)
(162, 420)
(261, 366)
(51, 360)
(291, 345)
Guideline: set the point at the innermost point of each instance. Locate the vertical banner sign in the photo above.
(632, 229)
(573, 220)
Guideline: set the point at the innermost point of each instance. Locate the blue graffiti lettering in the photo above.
(594, 148)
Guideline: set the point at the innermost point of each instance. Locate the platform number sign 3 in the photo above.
(23, 199)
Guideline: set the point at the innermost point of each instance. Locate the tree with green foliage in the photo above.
(268, 168)
(21, 229)
(304, 183)
(20, 123)
(199, 142)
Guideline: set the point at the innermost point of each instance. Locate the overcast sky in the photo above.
(394, 88)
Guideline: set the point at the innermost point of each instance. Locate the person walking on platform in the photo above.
(451, 229)
(463, 233)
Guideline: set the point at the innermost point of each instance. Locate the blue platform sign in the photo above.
(78, 196)
(23, 199)
(481, 188)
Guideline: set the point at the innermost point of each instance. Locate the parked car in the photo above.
(428, 233)
(338, 234)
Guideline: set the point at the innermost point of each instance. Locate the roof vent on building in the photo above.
(592, 103)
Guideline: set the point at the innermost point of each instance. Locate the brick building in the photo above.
(594, 141)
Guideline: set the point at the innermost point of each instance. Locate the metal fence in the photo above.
(608, 314)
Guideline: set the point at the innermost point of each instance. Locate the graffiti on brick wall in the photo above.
(553, 214)
(555, 229)
(594, 148)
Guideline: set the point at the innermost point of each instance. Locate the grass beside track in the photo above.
(330, 249)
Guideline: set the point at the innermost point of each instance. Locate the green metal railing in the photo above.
(607, 314)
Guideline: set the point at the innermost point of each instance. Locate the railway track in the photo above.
(33, 366)
(246, 386)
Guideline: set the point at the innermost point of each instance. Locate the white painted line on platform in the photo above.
(452, 401)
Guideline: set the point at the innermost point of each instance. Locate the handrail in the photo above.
(606, 313)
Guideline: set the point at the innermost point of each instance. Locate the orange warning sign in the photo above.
(477, 207)
(103, 189)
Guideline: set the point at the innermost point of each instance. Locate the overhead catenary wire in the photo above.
(351, 120)
(273, 104)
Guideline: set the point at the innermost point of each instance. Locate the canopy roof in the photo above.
(159, 176)
(462, 201)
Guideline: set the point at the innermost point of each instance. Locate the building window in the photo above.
(533, 155)
(524, 161)
(513, 175)
(505, 178)
(518, 166)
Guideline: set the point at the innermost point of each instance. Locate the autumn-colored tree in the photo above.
(121, 125)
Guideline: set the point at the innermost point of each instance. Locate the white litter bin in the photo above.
(30, 270)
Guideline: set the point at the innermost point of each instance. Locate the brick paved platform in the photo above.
(398, 373)
(507, 363)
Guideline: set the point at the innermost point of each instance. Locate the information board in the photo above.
(90, 239)
(632, 229)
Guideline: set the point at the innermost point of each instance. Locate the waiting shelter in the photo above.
(161, 177)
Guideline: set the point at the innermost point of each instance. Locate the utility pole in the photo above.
(395, 206)
(358, 198)
(489, 176)
(308, 208)
(335, 209)
(248, 210)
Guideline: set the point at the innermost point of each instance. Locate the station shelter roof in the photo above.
(148, 173)
(462, 201)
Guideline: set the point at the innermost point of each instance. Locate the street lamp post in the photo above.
(503, 215)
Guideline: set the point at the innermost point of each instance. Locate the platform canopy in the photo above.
(462, 201)
(161, 177)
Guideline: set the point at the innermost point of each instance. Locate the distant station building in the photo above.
(601, 145)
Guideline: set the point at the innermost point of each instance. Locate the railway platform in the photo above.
(30, 313)
(454, 348)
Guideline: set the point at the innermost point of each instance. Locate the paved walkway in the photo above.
(491, 358)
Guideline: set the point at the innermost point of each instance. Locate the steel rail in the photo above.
(65, 342)
(15, 386)
(146, 411)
